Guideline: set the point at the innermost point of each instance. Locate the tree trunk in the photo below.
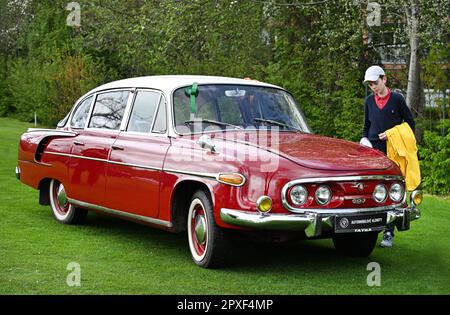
(414, 93)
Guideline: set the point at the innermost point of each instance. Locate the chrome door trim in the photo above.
(136, 165)
(79, 203)
(53, 132)
(77, 156)
(106, 161)
(197, 174)
(214, 176)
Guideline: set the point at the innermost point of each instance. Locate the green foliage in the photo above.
(435, 159)
(319, 59)
(50, 89)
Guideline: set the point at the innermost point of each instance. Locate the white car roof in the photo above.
(167, 83)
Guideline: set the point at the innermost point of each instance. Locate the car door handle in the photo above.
(117, 147)
(78, 143)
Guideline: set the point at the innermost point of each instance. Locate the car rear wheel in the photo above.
(63, 210)
(355, 244)
(207, 241)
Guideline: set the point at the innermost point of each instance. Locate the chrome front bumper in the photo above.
(312, 223)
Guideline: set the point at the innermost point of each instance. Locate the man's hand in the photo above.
(382, 136)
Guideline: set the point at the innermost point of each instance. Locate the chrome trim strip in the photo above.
(136, 165)
(198, 174)
(57, 153)
(268, 221)
(336, 179)
(346, 178)
(53, 132)
(106, 161)
(77, 156)
(325, 211)
(121, 213)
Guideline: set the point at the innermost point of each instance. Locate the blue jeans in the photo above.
(390, 228)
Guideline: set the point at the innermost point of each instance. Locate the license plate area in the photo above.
(360, 223)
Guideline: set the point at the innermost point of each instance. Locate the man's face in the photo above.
(377, 86)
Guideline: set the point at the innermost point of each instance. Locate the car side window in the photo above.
(143, 112)
(160, 125)
(81, 113)
(108, 110)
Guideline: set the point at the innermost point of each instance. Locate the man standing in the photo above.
(383, 110)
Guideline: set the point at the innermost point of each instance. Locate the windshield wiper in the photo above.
(210, 121)
(277, 123)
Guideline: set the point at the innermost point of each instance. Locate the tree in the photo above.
(420, 24)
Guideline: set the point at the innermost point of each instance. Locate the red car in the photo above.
(215, 157)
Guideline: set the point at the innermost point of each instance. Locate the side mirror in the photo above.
(205, 141)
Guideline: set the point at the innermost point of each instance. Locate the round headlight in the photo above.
(299, 195)
(323, 195)
(380, 193)
(396, 192)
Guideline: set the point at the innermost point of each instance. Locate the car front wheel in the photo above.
(207, 241)
(63, 210)
(355, 244)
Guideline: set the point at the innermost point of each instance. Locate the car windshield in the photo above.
(220, 106)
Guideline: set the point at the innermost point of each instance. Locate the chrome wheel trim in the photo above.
(61, 196)
(57, 194)
(200, 229)
(192, 231)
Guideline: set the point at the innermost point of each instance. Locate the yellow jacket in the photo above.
(402, 149)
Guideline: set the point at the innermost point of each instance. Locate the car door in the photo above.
(137, 157)
(91, 147)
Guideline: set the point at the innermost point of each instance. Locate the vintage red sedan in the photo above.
(215, 157)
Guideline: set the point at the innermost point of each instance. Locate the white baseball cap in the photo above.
(373, 73)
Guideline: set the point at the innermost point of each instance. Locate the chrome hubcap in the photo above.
(200, 229)
(61, 196)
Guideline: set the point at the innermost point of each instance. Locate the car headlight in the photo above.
(323, 195)
(396, 192)
(299, 195)
(380, 193)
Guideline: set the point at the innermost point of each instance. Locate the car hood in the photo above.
(319, 152)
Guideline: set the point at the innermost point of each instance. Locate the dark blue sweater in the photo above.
(378, 120)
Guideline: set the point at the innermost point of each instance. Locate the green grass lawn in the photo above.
(119, 257)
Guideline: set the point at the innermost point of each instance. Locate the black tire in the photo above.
(208, 243)
(63, 211)
(355, 244)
